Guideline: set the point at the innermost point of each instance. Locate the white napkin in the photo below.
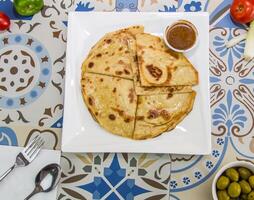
(20, 183)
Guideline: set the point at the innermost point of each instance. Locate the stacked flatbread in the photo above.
(134, 86)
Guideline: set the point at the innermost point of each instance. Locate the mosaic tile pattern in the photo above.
(115, 176)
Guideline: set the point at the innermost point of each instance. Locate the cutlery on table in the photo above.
(25, 157)
(46, 180)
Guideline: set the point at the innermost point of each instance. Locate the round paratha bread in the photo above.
(116, 99)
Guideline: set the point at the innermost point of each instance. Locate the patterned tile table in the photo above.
(32, 56)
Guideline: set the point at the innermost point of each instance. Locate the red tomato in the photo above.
(242, 11)
(4, 21)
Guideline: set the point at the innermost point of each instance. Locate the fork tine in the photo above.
(34, 146)
(37, 150)
(30, 144)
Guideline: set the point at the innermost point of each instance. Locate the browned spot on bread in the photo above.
(169, 95)
(140, 118)
(120, 112)
(90, 65)
(127, 51)
(171, 90)
(127, 120)
(153, 114)
(112, 117)
(101, 79)
(120, 62)
(98, 55)
(108, 41)
(165, 114)
(151, 47)
(106, 52)
(90, 101)
(131, 95)
(120, 49)
(96, 113)
(114, 90)
(107, 68)
(154, 71)
(126, 71)
(119, 73)
(174, 68)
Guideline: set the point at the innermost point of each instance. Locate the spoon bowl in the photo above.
(46, 180)
(53, 170)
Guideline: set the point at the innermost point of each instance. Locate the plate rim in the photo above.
(68, 148)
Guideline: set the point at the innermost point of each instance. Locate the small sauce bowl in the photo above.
(181, 36)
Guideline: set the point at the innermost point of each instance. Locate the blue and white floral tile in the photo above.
(190, 172)
(158, 5)
(203, 190)
(232, 97)
(115, 176)
(21, 135)
(232, 84)
(32, 60)
(218, 9)
(126, 5)
(192, 5)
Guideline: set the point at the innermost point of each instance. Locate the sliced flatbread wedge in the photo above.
(159, 66)
(111, 101)
(150, 90)
(111, 55)
(158, 113)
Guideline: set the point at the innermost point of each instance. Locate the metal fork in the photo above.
(25, 157)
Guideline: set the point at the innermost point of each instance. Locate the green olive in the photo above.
(223, 195)
(244, 173)
(232, 174)
(244, 197)
(234, 190)
(251, 181)
(222, 183)
(245, 187)
(251, 196)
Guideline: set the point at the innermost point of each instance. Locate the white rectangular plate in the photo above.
(82, 134)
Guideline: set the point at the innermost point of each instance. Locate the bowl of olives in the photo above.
(234, 181)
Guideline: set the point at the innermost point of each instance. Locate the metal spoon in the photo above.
(46, 180)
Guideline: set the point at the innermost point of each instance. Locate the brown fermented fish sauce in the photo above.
(181, 36)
